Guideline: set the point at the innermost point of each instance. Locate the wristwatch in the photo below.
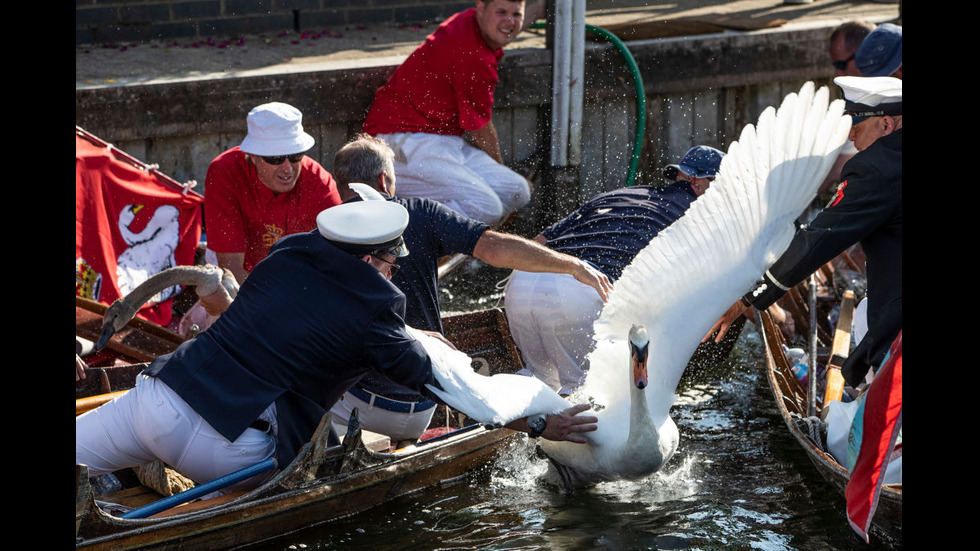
(537, 424)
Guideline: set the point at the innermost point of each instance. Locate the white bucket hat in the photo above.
(275, 129)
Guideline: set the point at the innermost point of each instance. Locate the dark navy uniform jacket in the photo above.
(611, 228)
(866, 209)
(308, 322)
(434, 230)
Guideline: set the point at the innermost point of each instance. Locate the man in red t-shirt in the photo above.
(443, 91)
(264, 189)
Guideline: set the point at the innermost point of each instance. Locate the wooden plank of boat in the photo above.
(139, 341)
(327, 480)
(792, 402)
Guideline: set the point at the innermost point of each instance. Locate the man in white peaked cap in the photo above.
(867, 208)
(312, 318)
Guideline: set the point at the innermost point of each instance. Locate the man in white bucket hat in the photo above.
(315, 316)
(264, 189)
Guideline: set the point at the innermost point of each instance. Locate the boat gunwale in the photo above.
(266, 502)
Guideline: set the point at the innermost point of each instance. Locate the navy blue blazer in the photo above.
(308, 322)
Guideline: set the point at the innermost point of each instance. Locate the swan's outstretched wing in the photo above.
(686, 278)
(491, 400)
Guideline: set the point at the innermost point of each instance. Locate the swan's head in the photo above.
(116, 316)
(639, 342)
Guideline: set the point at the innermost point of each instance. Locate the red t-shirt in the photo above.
(242, 215)
(445, 87)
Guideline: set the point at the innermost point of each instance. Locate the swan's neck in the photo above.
(640, 428)
(176, 275)
(640, 424)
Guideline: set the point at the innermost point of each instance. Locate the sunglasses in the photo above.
(278, 160)
(393, 267)
(842, 65)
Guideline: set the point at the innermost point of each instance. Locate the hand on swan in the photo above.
(216, 303)
(726, 321)
(592, 277)
(566, 425)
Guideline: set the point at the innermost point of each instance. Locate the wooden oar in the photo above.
(91, 402)
(840, 349)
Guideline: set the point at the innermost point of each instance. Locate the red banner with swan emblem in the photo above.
(131, 221)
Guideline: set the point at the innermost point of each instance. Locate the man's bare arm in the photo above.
(505, 250)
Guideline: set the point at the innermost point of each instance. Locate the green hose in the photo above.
(641, 101)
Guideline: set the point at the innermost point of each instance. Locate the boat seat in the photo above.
(372, 440)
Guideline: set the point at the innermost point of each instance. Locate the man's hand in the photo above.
(726, 321)
(569, 426)
(439, 336)
(216, 303)
(592, 277)
(80, 366)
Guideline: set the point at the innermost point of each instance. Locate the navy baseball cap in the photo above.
(880, 53)
(700, 161)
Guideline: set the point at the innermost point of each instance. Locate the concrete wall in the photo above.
(700, 90)
(100, 21)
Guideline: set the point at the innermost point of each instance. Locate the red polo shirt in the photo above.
(445, 87)
(242, 215)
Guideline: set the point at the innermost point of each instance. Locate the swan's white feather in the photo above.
(686, 278)
(492, 400)
(366, 192)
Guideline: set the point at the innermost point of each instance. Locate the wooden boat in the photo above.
(327, 480)
(792, 397)
(114, 368)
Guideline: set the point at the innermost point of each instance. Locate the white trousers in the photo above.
(550, 317)
(395, 425)
(450, 170)
(152, 422)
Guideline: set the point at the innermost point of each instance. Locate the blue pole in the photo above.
(198, 491)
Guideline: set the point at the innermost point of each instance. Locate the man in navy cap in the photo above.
(880, 55)
(867, 208)
(551, 315)
(308, 322)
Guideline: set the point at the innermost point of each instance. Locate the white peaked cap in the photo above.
(365, 227)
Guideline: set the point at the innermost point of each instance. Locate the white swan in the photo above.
(206, 280)
(491, 400)
(686, 278)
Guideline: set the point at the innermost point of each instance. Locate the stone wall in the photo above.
(102, 21)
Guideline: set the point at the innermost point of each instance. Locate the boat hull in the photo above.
(792, 403)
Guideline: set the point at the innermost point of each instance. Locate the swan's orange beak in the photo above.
(639, 353)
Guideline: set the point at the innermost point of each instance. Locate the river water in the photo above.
(738, 481)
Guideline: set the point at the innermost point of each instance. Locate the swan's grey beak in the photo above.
(107, 332)
(639, 353)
